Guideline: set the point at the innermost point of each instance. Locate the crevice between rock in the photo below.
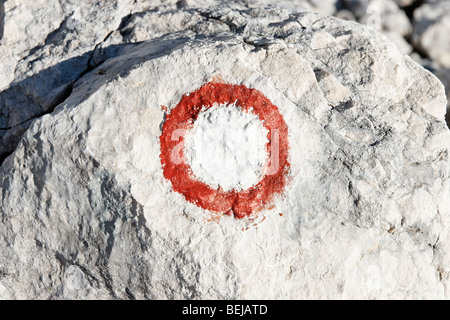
(62, 96)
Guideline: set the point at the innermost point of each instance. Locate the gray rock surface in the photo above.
(381, 14)
(46, 47)
(432, 30)
(87, 213)
(442, 73)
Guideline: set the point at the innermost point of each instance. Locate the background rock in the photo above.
(432, 30)
(87, 213)
(404, 3)
(381, 14)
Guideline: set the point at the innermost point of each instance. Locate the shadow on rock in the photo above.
(39, 94)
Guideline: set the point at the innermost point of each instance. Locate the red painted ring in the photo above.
(181, 118)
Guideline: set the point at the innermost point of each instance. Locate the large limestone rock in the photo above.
(87, 213)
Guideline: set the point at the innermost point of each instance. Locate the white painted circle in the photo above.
(227, 148)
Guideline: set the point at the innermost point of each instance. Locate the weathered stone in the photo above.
(87, 213)
(46, 47)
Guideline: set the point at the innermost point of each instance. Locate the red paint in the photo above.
(240, 204)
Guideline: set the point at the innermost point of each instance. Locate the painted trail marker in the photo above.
(245, 190)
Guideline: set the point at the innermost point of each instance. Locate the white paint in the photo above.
(227, 147)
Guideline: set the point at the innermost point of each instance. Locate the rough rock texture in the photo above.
(46, 47)
(86, 212)
(419, 28)
(442, 73)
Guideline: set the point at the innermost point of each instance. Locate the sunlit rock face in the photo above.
(88, 213)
